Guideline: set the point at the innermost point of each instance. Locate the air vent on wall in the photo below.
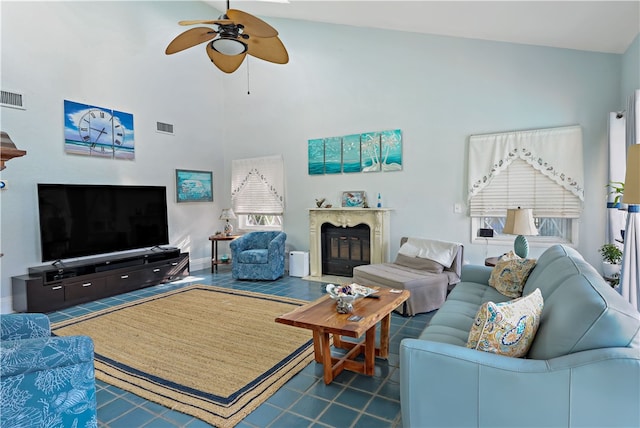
(165, 128)
(11, 99)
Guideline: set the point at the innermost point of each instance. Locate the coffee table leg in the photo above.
(326, 357)
(385, 326)
(317, 347)
(370, 351)
(337, 341)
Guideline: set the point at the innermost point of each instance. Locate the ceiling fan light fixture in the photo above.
(228, 46)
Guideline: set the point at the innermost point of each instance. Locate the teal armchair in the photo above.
(45, 381)
(258, 255)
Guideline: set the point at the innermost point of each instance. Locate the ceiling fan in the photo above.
(234, 35)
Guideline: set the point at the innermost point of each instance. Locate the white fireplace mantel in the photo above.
(376, 218)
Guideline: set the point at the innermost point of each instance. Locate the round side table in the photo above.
(491, 261)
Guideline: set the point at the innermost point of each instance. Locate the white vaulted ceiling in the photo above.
(600, 26)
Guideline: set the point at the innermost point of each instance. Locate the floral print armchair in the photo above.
(258, 255)
(45, 381)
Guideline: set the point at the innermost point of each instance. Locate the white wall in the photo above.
(340, 80)
(630, 80)
(109, 54)
(438, 90)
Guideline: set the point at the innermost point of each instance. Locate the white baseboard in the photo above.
(199, 264)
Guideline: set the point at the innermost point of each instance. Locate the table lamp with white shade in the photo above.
(520, 222)
(228, 214)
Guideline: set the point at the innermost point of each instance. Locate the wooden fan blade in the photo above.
(190, 38)
(207, 21)
(269, 49)
(252, 25)
(226, 63)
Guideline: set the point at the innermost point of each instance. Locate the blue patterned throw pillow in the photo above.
(510, 274)
(507, 328)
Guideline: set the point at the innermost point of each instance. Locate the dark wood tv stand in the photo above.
(56, 286)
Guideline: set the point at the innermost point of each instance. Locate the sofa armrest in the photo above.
(24, 326)
(19, 357)
(476, 273)
(597, 387)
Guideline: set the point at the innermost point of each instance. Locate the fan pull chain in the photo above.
(248, 90)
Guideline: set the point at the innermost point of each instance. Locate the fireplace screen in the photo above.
(344, 248)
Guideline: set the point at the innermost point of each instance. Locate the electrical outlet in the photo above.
(457, 208)
(3, 184)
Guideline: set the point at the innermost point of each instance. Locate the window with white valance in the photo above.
(539, 169)
(257, 192)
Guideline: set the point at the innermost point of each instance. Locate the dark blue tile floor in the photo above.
(351, 400)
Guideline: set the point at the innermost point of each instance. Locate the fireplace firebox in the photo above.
(344, 248)
(377, 220)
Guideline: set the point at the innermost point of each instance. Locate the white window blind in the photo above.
(257, 185)
(520, 185)
(539, 169)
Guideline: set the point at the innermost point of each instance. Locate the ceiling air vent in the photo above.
(11, 99)
(165, 128)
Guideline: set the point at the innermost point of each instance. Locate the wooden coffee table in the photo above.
(324, 321)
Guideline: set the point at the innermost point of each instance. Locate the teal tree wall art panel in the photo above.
(316, 157)
(332, 155)
(98, 131)
(351, 153)
(391, 150)
(366, 152)
(370, 143)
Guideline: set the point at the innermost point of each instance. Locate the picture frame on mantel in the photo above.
(354, 199)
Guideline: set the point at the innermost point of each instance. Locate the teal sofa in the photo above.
(45, 381)
(583, 367)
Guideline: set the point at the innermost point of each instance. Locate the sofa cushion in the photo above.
(419, 263)
(507, 328)
(552, 268)
(476, 294)
(452, 325)
(584, 313)
(510, 274)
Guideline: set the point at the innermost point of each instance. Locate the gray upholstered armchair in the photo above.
(258, 255)
(45, 381)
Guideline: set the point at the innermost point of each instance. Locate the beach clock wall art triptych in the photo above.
(367, 152)
(98, 131)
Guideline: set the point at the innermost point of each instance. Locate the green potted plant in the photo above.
(611, 258)
(617, 188)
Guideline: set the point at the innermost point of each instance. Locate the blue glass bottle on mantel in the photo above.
(379, 201)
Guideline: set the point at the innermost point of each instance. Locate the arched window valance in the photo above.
(554, 152)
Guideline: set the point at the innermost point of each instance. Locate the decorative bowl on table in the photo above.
(345, 295)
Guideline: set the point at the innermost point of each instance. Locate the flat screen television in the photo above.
(79, 220)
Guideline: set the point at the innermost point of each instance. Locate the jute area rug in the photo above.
(210, 352)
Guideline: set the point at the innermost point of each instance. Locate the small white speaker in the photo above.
(299, 263)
